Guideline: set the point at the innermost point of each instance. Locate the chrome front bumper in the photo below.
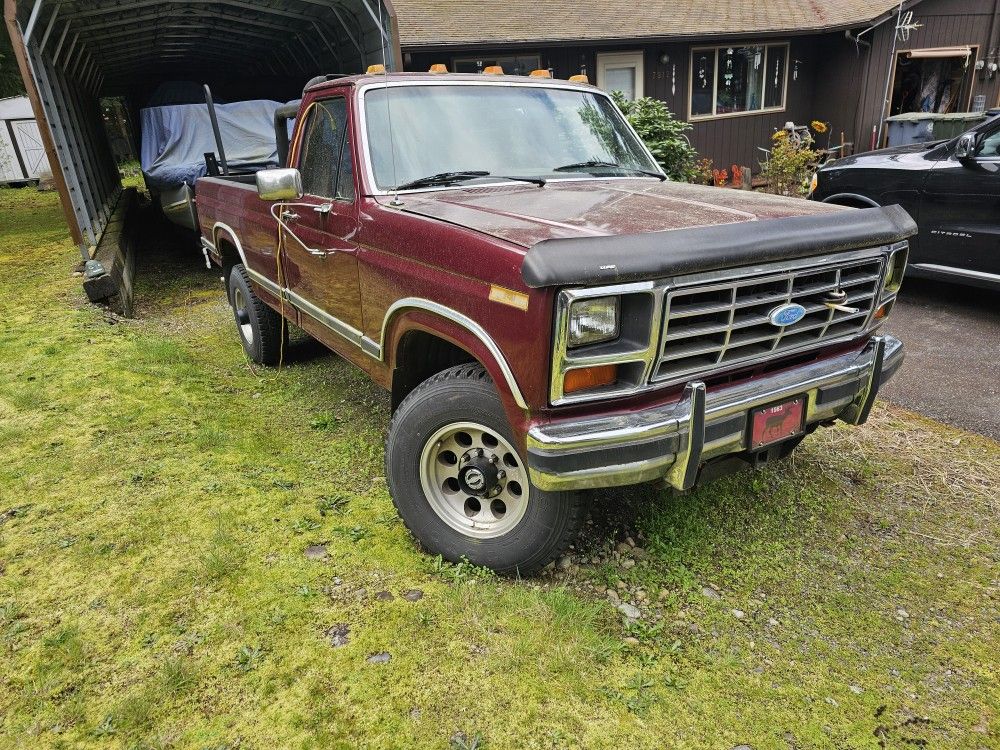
(674, 441)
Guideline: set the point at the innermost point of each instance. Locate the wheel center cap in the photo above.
(479, 477)
(475, 479)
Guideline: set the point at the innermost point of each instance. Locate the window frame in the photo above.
(968, 82)
(715, 48)
(346, 145)
(365, 162)
(636, 57)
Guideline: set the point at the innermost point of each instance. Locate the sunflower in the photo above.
(779, 135)
(819, 127)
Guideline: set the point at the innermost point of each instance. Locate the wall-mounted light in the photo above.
(664, 58)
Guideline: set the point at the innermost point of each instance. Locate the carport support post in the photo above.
(21, 55)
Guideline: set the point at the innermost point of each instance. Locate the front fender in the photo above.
(458, 329)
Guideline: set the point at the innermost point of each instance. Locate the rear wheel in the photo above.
(461, 486)
(259, 327)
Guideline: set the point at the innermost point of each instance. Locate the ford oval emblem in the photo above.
(787, 315)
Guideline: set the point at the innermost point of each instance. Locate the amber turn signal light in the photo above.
(438, 68)
(493, 70)
(585, 378)
(881, 312)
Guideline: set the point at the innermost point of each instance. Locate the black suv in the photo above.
(952, 190)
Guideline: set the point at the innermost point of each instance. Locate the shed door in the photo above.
(29, 143)
(10, 167)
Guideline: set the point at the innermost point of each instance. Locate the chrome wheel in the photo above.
(474, 480)
(242, 315)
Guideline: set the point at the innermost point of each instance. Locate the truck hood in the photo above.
(526, 215)
(910, 156)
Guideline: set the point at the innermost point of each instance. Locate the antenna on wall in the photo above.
(906, 26)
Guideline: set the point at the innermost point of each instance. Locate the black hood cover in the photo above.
(622, 258)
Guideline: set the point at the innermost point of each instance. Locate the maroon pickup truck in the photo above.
(549, 313)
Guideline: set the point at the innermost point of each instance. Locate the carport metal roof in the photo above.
(72, 52)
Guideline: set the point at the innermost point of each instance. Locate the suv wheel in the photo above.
(259, 326)
(460, 485)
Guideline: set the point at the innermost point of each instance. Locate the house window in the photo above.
(517, 65)
(737, 80)
(933, 80)
(621, 71)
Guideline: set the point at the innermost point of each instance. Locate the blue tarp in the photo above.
(176, 138)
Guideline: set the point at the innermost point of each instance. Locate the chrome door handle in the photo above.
(289, 216)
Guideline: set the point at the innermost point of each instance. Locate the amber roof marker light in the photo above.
(438, 68)
(579, 78)
(493, 70)
(540, 73)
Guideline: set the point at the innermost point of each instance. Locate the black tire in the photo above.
(466, 394)
(259, 327)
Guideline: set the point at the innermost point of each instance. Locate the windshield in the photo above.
(513, 131)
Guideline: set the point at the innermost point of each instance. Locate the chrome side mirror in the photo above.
(279, 184)
(966, 146)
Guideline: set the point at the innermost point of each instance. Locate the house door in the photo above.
(621, 71)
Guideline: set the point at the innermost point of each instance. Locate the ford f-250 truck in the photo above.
(549, 313)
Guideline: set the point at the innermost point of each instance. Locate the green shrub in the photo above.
(790, 165)
(663, 133)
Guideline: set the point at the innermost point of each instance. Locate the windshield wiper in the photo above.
(448, 178)
(584, 165)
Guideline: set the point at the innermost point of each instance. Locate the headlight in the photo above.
(592, 321)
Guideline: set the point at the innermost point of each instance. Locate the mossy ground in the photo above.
(157, 495)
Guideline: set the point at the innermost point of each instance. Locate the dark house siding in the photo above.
(854, 83)
(725, 140)
(838, 82)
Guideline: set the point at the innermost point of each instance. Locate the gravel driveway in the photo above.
(952, 367)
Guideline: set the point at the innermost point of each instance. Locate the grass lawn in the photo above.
(198, 554)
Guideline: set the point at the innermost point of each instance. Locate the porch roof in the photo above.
(427, 23)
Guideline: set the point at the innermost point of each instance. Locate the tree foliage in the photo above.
(663, 133)
(10, 76)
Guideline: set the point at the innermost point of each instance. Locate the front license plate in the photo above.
(772, 424)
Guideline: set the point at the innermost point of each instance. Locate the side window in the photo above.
(990, 147)
(325, 162)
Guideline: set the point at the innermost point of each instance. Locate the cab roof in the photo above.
(334, 81)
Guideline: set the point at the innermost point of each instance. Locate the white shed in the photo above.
(22, 155)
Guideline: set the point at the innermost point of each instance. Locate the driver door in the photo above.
(320, 261)
(960, 211)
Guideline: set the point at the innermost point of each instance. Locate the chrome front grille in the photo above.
(717, 325)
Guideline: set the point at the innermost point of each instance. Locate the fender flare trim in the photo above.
(851, 196)
(418, 303)
(218, 228)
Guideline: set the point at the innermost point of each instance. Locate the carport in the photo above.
(73, 52)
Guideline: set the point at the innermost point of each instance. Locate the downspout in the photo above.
(21, 55)
(858, 41)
